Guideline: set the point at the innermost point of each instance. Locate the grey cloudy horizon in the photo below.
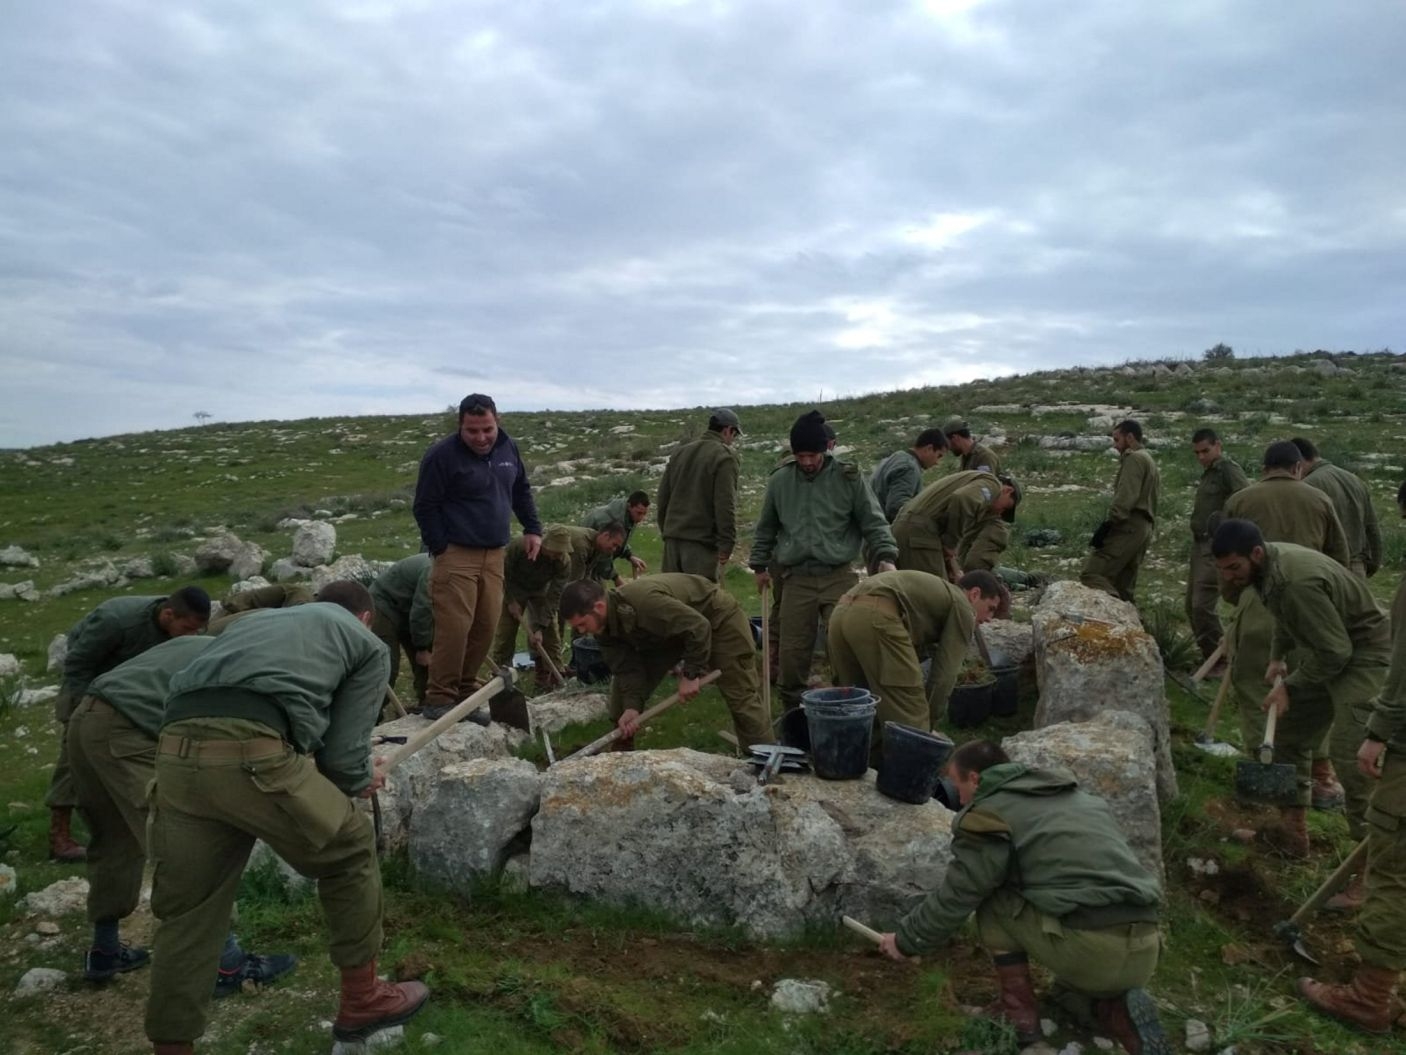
(320, 208)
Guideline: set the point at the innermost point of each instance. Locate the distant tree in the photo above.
(202, 416)
(1219, 352)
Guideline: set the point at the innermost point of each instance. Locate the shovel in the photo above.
(1290, 930)
(598, 745)
(1275, 783)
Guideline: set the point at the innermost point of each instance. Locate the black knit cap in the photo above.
(808, 434)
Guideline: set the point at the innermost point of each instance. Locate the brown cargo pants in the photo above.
(466, 594)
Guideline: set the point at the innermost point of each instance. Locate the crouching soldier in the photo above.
(1050, 878)
(112, 752)
(648, 626)
(266, 736)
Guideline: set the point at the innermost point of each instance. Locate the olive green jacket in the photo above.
(112, 633)
(567, 553)
(402, 594)
(1221, 479)
(1136, 488)
(698, 494)
(981, 548)
(1322, 612)
(1035, 832)
(1388, 720)
(313, 669)
(938, 617)
(660, 613)
(137, 688)
(820, 520)
(980, 459)
(950, 510)
(895, 480)
(616, 511)
(1285, 510)
(1353, 504)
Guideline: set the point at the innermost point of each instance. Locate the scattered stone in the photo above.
(254, 582)
(215, 555)
(314, 543)
(8, 881)
(556, 710)
(184, 565)
(461, 833)
(381, 1040)
(795, 996)
(1198, 1035)
(1038, 1048)
(1203, 866)
(58, 652)
(1103, 1044)
(19, 591)
(47, 927)
(139, 568)
(285, 569)
(57, 899)
(9, 665)
(353, 566)
(40, 980)
(106, 574)
(248, 560)
(1049, 1027)
(34, 697)
(430, 1040)
(15, 557)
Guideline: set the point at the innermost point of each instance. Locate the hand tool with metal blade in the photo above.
(1290, 930)
(601, 743)
(771, 757)
(1267, 781)
(449, 720)
(1206, 738)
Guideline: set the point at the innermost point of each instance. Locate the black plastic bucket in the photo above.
(586, 658)
(793, 729)
(1005, 694)
(970, 704)
(840, 723)
(913, 762)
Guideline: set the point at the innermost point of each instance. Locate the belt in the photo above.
(870, 600)
(813, 568)
(97, 703)
(185, 747)
(1100, 916)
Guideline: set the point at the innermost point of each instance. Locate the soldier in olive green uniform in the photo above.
(1050, 877)
(1121, 541)
(532, 588)
(267, 736)
(239, 605)
(112, 633)
(112, 751)
(899, 477)
(956, 524)
(697, 504)
(650, 625)
(1285, 510)
(1353, 504)
(405, 617)
(975, 457)
(1326, 618)
(1220, 479)
(628, 511)
(881, 629)
(816, 511)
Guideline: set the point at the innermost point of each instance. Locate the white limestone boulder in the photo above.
(554, 711)
(217, 553)
(248, 560)
(314, 543)
(476, 814)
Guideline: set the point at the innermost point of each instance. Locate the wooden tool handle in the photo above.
(395, 702)
(598, 745)
(1267, 748)
(765, 592)
(551, 665)
(1211, 660)
(451, 718)
(859, 928)
(1332, 884)
(1214, 716)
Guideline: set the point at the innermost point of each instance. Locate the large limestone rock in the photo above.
(59, 898)
(353, 566)
(1111, 757)
(687, 833)
(9, 665)
(21, 591)
(314, 543)
(248, 560)
(286, 569)
(1086, 669)
(413, 782)
(472, 819)
(216, 554)
(556, 710)
(16, 557)
(1009, 639)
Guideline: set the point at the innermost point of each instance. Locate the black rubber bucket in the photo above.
(970, 704)
(913, 763)
(840, 723)
(1005, 694)
(586, 658)
(793, 729)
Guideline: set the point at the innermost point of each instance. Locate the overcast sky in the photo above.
(322, 207)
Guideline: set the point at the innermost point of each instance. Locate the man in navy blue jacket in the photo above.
(469, 484)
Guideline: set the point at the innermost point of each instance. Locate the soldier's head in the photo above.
(983, 590)
(637, 507)
(478, 422)
(726, 424)
(1238, 549)
(1008, 499)
(1205, 444)
(1127, 435)
(610, 538)
(351, 595)
(809, 442)
(1307, 449)
(187, 611)
(968, 763)
(959, 435)
(929, 447)
(583, 606)
(1283, 459)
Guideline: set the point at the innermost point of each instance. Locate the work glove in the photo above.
(1100, 535)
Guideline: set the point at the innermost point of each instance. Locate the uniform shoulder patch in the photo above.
(986, 493)
(977, 821)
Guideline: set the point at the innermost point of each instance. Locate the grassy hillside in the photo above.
(525, 972)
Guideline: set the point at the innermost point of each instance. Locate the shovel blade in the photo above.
(510, 708)
(1276, 783)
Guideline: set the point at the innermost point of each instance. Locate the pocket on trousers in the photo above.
(132, 746)
(313, 805)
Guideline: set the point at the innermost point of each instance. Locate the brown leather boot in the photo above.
(1131, 1020)
(1328, 794)
(1292, 837)
(1365, 1002)
(179, 1047)
(1016, 1004)
(61, 844)
(369, 1004)
(1351, 897)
